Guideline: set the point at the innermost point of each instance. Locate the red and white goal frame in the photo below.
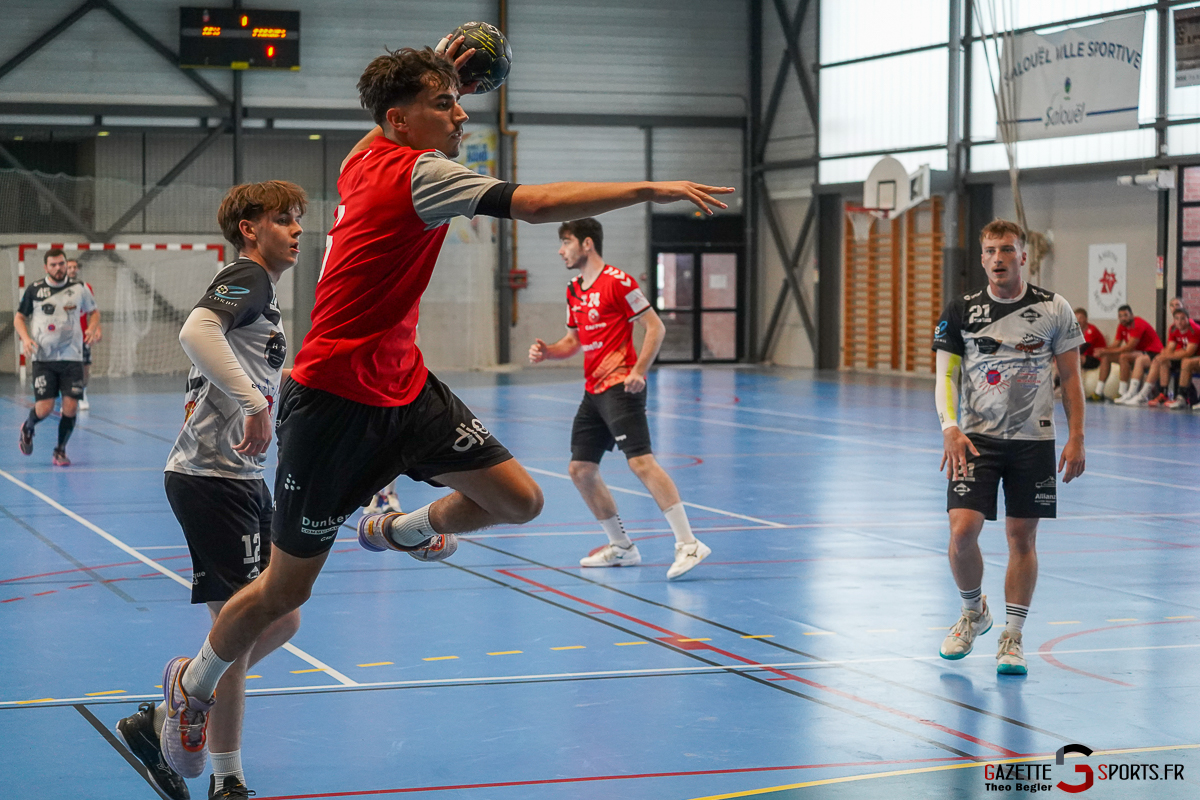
(219, 249)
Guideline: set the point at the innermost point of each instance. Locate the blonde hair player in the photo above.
(995, 399)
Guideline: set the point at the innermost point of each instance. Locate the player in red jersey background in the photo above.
(602, 304)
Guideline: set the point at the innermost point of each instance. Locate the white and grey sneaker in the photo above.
(961, 639)
(84, 405)
(612, 556)
(687, 556)
(1010, 657)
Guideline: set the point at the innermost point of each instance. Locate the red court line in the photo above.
(85, 569)
(1045, 650)
(590, 778)
(780, 673)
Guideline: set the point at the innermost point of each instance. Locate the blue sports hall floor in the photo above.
(799, 661)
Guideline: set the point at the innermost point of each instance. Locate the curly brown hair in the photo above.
(252, 200)
(395, 79)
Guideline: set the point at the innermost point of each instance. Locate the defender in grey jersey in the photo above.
(995, 398)
(214, 473)
(48, 324)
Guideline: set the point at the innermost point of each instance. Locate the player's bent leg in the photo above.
(503, 494)
(655, 479)
(620, 550)
(689, 551)
(592, 488)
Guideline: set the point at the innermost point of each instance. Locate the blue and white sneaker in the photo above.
(184, 735)
(372, 535)
(1010, 657)
(961, 639)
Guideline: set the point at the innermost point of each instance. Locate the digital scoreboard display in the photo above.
(243, 38)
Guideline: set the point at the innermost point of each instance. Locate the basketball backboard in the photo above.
(890, 186)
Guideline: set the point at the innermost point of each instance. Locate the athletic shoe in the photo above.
(613, 556)
(231, 788)
(372, 536)
(184, 735)
(961, 639)
(687, 556)
(1178, 402)
(381, 502)
(26, 440)
(1010, 658)
(1160, 400)
(1095, 397)
(137, 732)
(59, 459)
(84, 405)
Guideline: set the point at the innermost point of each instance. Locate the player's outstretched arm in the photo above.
(564, 348)
(1071, 463)
(559, 202)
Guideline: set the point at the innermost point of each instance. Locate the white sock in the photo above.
(160, 717)
(677, 519)
(1134, 388)
(202, 675)
(227, 764)
(972, 600)
(411, 529)
(1122, 388)
(616, 531)
(1015, 618)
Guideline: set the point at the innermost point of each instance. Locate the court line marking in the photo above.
(763, 522)
(111, 738)
(616, 673)
(1172, 461)
(1046, 650)
(942, 768)
(175, 576)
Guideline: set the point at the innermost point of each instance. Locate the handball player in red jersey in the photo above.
(360, 407)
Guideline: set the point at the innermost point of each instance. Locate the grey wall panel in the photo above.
(629, 56)
(706, 155)
(793, 134)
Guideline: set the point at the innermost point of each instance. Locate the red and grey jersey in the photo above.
(602, 315)
(379, 256)
(1181, 339)
(1007, 346)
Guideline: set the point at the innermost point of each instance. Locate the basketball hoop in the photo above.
(862, 218)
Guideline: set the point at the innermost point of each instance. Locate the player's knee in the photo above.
(644, 465)
(582, 471)
(289, 624)
(524, 504)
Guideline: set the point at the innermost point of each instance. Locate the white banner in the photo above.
(1187, 47)
(1082, 80)
(1106, 280)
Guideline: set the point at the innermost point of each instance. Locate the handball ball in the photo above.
(492, 59)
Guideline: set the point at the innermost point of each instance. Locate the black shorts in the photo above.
(335, 453)
(1025, 466)
(227, 524)
(612, 418)
(50, 378)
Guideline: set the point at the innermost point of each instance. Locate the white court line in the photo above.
(1143, 480)
(175, 576)
(1175, 462)
(763, 522)
(825, 420)
(633, 673)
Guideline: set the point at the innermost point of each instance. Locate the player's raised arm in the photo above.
(559, 202)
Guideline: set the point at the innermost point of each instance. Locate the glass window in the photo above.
(719, 273)
(886, 104)
(859, 28)
(1089, 149)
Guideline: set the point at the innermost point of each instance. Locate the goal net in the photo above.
(144, 293)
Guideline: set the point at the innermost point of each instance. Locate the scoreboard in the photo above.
(243, 38)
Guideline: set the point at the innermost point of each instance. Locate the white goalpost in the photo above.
(144, 292)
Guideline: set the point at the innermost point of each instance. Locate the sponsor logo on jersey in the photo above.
(290, 484)
(587, 348)
(637, 301)
(189, 408)
(940, 330)
(1030, 344)
(993, 377)
(593, 315)
(470, 434)
(987, 345)
(1045, 484)
(276, 350)
(1045, 499)
(320, 527)
(230, 292)
(961, 489)
(1029, 315)
(47, 308)
(70, 307)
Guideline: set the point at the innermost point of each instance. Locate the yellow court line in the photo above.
(39, 700)
(378, 664)
(760, 636)
(439, 658)
(506, 653)
(819, 633)
(248, 677)
(943, 768)
(110, 691)
(570, 647)
(158, 686)
(628, 644)
(1126, 619)
(1187, 616)
(1065, 622)
(302, 671)
(694, 640)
